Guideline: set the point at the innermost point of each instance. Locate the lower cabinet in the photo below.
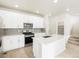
(12, 42)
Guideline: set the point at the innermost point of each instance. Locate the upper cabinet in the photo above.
(16, 20)
(37, 21)
(9, 19)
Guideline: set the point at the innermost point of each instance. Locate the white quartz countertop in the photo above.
(9, 36)
(50, 39)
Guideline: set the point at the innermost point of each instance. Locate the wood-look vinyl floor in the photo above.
(25, 52)
(72, 51)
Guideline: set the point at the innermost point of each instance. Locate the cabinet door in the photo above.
(15, 42)
(9, 43)
(1, 22)
(20, 20)
(21, 41)
(6, 44)
(10, 20)
(37, 21)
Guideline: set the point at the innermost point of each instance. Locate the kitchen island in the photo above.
(48, 46)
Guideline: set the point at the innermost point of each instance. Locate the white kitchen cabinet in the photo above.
(21, 41)
(37, 21)
(16, 20)
(1, 22)
(1, 19)
(9, 20)
(12, 42)
(20, 21)
(25, 18)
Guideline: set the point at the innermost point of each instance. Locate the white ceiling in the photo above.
(44, 7)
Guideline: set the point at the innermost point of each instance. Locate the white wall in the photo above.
(52, 23)
(60, 19)
(75, 28)
(55, 21)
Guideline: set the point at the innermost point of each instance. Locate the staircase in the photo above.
(74, 40)
(72, 48)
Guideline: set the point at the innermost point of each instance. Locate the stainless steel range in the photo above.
(27, 31)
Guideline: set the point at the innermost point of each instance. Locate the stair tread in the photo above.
(73, 42)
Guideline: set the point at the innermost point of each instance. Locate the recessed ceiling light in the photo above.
(16, 6)
(67, 9)
(37, 11)
(55, 1)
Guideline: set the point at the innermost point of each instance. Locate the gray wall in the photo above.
(1, 32)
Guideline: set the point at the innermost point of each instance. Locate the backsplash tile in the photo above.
(13, 31)
(39, 30)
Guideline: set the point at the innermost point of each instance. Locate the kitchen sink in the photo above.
(46, 36)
